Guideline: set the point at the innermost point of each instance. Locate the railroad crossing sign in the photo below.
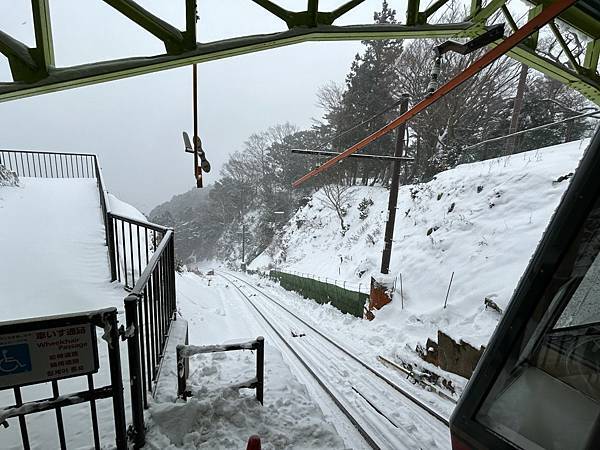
(45, 354)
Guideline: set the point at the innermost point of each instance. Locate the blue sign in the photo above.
(14, 359)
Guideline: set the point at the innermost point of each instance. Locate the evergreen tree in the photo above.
(368, 92)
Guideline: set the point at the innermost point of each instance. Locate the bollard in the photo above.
(253, 443)
(182, 374)
(260, 369)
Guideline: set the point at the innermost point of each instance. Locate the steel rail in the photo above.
(409, 396)
(545, 16)
(366, 436)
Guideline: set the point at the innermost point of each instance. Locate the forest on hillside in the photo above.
(254, 193)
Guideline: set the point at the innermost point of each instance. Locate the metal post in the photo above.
(393, 198)
(244, 244)
(182, 374)
(135, 370)
(116, 380)
(110, 234)
(260, 368)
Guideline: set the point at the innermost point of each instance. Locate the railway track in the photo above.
(385, 415)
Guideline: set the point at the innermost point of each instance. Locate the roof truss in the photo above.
(34, 71)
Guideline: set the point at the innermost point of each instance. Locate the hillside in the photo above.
(184, 213)
(480, 221)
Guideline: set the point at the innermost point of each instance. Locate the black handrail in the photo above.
(131, 245)
(149, 310)
(29, 163)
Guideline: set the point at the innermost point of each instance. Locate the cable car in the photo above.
(537, 385)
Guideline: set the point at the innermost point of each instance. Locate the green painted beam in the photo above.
(23, 66)
(71, 77)
(577, 18)
(171, 36)
(191, 16)
(592, 54)
(343, 9)
(44, 51)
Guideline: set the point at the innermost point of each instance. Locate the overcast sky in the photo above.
(135, 124)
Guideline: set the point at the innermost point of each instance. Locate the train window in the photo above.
(548, 395)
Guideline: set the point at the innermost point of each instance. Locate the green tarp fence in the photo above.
(347, 301)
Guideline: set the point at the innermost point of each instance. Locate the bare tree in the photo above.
(336, 198)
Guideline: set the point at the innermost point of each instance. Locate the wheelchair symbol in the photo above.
(14, 359)
(8, 364)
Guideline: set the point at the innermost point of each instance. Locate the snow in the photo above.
(8, 177)
(218, 416)
(121, 208)
(55, 261)
(54, 257)
(480, 222)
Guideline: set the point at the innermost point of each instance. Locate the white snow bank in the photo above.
(54, 258)
(121, 208)
(481, 221)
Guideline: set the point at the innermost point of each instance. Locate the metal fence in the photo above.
(185, 352)
(527, 140)
(48, 331)
(149, 310)
(131, 245)
(322, 291)
(29, 163)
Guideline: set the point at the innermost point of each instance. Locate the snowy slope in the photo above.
(481, 221)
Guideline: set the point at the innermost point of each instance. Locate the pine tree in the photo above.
(368, 92)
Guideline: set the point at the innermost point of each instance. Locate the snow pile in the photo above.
(54, 256)
(8, 177)
(480, 221)
(221, 417)
(55, 261)
(217, 416)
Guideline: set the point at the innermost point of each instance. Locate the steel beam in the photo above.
(171, 36)
(77, 76)
(22, 64)
(44, 51)
(34, 72)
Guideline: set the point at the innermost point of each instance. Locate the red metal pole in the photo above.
(545, 16)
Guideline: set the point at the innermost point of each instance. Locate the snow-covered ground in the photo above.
(480, 221)
(54, 258)
(220, 418)
(54, 261)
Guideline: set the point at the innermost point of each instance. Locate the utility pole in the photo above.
(243, 244)
(393, 198)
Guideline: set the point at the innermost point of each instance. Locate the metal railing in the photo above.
(141, 256)
(131, 246)
(185, 352)
(149, 310)
(48, 330)
(30, 163)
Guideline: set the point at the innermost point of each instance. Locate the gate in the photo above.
(49, 349)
